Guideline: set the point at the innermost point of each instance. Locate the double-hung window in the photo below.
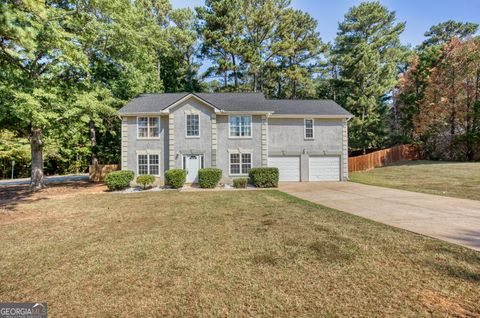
(309, 130)
(149, 164)
(240, 163)
(193, 125)
(240, 126)
(148, 127)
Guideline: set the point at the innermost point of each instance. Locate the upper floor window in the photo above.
(193, 125)
(309, 129)
(148, 127)
(240, 126)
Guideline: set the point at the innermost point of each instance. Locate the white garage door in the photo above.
(324, 169)
(288, 167)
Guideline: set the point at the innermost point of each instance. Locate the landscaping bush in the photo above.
(118, 180)
(264, 177)
(176, 177)
(240, 182)
(145, 180)
(209, 177)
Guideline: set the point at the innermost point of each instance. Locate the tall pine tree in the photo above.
(368, 52)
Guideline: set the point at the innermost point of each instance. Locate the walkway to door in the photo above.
(449, 219)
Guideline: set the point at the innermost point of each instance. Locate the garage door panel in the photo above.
(288, 167)
(324, 168)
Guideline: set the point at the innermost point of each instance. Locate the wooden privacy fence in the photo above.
(383, 157)
(97, 173)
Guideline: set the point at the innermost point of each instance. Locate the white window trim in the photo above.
(149, 152)
(148, 127)
(305, 129)
(240, 137)
(241, 162)
(186, 121)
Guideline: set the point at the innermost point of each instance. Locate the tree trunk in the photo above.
(255, 82)
(36, 143)
(294, 89)
(235, 74)
(159, 67)
(93, 143)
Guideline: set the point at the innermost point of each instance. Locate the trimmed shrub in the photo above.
(264, 177)
(240, 183)
(118, 180)
(176, 177)
(209, 177)
(145, 180)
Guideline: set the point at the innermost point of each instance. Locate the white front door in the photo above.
(192, 164)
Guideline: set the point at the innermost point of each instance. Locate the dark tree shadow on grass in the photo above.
(11, 196)
(467, 262)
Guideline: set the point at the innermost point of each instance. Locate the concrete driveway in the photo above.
(449, 219)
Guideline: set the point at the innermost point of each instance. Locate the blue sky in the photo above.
(419, 14)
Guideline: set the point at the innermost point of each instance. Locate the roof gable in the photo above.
(191, 96)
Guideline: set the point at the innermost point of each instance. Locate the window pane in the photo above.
(154, 164)
(153, 121)
(235, 126)
(154, 129)
(193, 125)
(235, 169)
(142, 164)
(154, 170)
(246, 131)
(142, 132)
(142, 159)
(246, 168)
(234, 158)
(246, 158)
(154, 159)
(308, 128)
(246, 120)
(143, 127)
(246, 162)
(234, 120)
(246, 124)
(235, 131)
(143, 122)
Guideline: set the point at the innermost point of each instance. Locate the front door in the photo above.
(192, 164)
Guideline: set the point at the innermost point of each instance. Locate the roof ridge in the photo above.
(228, 93)
(303, 99)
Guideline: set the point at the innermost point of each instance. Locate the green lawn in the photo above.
(242, 253)
(454, 179)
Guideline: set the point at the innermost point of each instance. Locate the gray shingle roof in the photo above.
(154, 103)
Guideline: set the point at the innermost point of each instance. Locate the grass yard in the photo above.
(237, 253)
(453, 179)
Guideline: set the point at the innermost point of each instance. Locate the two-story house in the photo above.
(306, 140)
